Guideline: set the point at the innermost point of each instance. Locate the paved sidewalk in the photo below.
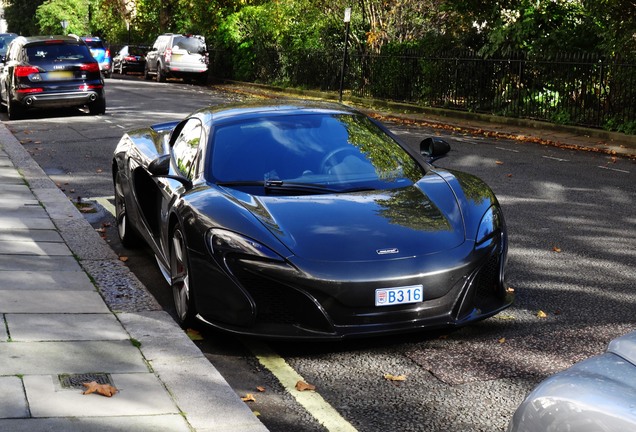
(72, 312)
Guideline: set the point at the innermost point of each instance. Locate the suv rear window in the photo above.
(60, 52)
(190, 44)
(95, 44)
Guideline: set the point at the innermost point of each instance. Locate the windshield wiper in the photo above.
(283, 186)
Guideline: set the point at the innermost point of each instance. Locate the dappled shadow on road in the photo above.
(572, 250)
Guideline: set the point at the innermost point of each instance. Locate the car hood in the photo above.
(363, 226)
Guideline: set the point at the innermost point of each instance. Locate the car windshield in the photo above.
(47, 53)
(192, 44)
(95, 44)
(290, 153)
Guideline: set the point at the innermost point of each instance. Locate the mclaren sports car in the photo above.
(309, 220)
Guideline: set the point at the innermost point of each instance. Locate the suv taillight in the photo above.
(107, 54)
(168, 54)
(24, 71)
(90, 67)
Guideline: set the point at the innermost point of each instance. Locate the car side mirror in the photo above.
(160, 166)
(434, 148)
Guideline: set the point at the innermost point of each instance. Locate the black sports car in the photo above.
(302, 219)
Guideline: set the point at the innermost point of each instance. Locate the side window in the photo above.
(186, 148)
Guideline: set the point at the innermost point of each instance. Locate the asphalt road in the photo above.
(572, 254)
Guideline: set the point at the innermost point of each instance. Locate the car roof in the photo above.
(227, 113)
(49, 38)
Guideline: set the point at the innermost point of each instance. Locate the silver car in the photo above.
(179, 56)
(595, 395)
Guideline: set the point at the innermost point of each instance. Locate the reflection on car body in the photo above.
(309, 220)
(597, 394)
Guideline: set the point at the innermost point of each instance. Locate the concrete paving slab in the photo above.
(64, 327)
(8, 174)
(8, 201)
(163, 423)
(159, 335)
(33, 248)
(14, 222)
(139, 394)
(51, 358)
(43, 263)
(17, 192)
(25, 211)
(38, 235)
(202, 393)
(13, 402)
(45, 281)
(18, 301)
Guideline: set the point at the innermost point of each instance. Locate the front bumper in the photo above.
(293, 306)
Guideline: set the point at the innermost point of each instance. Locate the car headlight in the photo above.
(223, 242)
(491, 223)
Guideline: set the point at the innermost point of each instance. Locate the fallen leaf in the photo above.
(260, 389)
(102, 389)
(194, 334)
(123, 258)
(99, 170)
(248, 398)
(101, 230)
(556, 249)
(390, 377)
(499, 162)
(502, 340)
(303, 386)
(542, 314)
(510, 289)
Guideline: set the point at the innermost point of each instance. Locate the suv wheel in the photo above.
(161, 76)
(97, 107)
(146, 73)
(15, 111)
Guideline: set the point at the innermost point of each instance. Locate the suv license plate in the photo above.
(401, 295)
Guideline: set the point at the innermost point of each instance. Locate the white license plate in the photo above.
(60, 75)
(401, 295)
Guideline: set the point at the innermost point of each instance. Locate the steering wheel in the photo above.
(325, 163)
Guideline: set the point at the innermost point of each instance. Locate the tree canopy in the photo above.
(487, 26)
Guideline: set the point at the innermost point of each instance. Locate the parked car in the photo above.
(129, 59)
(101, 54)
(5, 40)
(179, 56)
(597, 394)
(309, 220)
(50, 71)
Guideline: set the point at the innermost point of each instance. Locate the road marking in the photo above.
(104, 202)
(507, 149)
(315, 405)
(324, 413)
(556, 159)
(613, 169)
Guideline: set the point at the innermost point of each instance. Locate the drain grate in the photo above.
(75, 381)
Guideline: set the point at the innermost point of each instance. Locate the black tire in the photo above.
(147, 76)
(180, 281)
(127, 234)
(161, 76)
(98, 107)
(15, 111)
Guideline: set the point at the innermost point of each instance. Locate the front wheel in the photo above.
(161, 76)
(180, 280)
(128, 237)
(147, 76)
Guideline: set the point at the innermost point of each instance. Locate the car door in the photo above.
(186, 164)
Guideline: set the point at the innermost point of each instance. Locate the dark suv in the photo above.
(50, 71)
(179, 56)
